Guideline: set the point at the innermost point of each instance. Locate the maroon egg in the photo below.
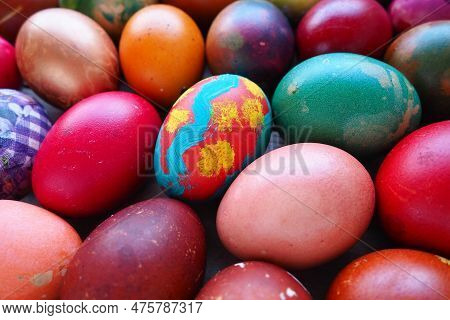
(9, 74)
(153, 250)
(357, 26)
(253, 281)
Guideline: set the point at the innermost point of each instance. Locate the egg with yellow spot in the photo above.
(212, 132)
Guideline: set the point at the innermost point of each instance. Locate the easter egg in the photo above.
(358, 26)
(214, 129)
(260, 48)
(9, 74)
(253, 281)
(23, 126)
(110, 14)
(37, 245)
(356, 103)
(161, 53)
(393, 274)
(65, 56)
(151, 250)
(423, 55)
(280, 208)
(96, 154)
(413, 189)
(294, 9)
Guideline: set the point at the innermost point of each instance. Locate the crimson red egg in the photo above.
(9, 73)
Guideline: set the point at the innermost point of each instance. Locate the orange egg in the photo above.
(36, 247)
(161, 53)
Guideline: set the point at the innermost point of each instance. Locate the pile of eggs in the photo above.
(126, 126)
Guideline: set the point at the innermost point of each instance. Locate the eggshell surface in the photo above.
(9, 73)
(294, 9)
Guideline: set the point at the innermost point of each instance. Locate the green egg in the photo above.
(353, 102)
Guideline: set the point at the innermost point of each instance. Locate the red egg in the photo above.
(357, 26)
(413, 186)
(96, 154)
(9, 74)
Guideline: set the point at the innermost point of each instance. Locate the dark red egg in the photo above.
(151, 250)
(9, 73)
(413, 189)
(357, 26)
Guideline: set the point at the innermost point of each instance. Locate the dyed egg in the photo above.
(151, 250)
(423, 55)
(260, 48)
(9, 74)
(358, 26)
(253, 281)
(353, 102)
(413, 189)
(23, 126)
(214, 129)
(96, 154)
(161, 53)
(65, 56)
(36, 248)
(280, 208)
(110, 14)
(393, 274)
(294, 9)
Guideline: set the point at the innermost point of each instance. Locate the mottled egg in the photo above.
(423, 55)
(297, 206)
(353, 102)
(37, 245)
(294, 9)
(96, 154)
(260, 48)
(9, 74)
(358, 26)
(65, 56)
(23, 126)
(151, 250)
(253, 281)
(161, 53)
(413, 186)
(393, 274)
(214, 130)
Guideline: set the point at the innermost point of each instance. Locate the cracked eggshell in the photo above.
(153, 250)
(36, 248)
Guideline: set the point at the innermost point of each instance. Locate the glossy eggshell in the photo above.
(213, 131)
(151, 250)
(356, 103)
(357, 26)
(413, 186)
(260, 48)
(253, 281)
(294, 9)
(161, 53)
(280, 208)
(423, 55)
(96, 154)
(393, 274)
(37, 245)
(65, 56)
(9, 73)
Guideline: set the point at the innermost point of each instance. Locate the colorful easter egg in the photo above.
(9, 74)
(110, 14)
(413, 186)
(294, 9)
(65, 56)
(260, 48)
(356, 103)
(213, 131)
(357, 26)
(423, 55)
(161, 53)
(23, 126)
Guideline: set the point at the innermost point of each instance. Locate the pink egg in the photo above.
(9, 73)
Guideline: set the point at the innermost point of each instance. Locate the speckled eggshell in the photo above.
(96, 154)
(9, 73)
(151, 250)
(294, 9)
(213, 131)
(356, 103)
(423, 55)
(260, 48)
(413, 186)
(297, 206)
(37, 245)
(65, 56)
(253, 281)
(393, 274)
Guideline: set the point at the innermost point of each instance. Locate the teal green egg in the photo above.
(353, 102)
